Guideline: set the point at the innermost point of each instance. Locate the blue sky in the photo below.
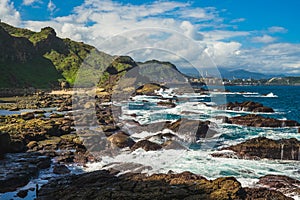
(256, 35)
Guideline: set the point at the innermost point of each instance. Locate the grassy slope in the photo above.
(55, 59)
(61, 60)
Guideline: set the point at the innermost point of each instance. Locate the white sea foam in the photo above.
(269, 95)
(200, 162)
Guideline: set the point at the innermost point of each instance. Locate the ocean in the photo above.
(197, 159)
(197, 155)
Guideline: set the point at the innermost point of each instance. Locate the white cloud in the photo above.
(29, 2)
(263, 39)
(170, 31)
(216, 35)
(277, 29)
(273, 58)
(237, 20)
(51, 7)
(8, 13)
(201, 14)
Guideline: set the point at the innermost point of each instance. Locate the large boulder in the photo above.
(196, 129)
(260, 121)
(121, 140)
(146, 145)
(261, 147)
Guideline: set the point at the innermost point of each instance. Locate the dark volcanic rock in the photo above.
(22, 193)
(261, 147)
(281, 183)
(260, 121)
(146, 145)
(4, 143)
(166, 104)
(61, 169)
(16, 170)
(264, 194)
(249, 106)
(185, 185)
(195, 128)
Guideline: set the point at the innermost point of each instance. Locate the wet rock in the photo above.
(4, 143)
(146, 145)
(185, 185)
(263, 193)
(264, 109)
(61, 169)
(17, 169)
(22, 193)
(27, 116)
(260, 121)
(172, 144)
(121, 167)
(166, 104)
(249, 106)
(261, 147)
(224, 154)
(281, 183)
(223, 119)
(195, 128)
(121, 140)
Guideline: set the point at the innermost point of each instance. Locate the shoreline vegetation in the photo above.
(51, 131)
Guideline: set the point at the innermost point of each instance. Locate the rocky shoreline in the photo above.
(186, 185)
(39, 136)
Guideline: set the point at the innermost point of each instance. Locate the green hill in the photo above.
(42, 60)
(38, 59)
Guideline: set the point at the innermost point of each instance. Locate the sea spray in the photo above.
(281, 153)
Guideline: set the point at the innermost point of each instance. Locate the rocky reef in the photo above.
(186, 185)
(262, 147)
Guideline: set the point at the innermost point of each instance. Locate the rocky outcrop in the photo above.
(45, 135)
(195, 128)
(166, 104)
(121, 140)
(248, 106)
(261, 147)
(146, 145)
(16, 170)
(61, 169)
(148, 89)
(185, 185)
(281, 183)
(260, 121)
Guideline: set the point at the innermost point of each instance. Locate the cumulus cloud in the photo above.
(263, 39)
(8, 13)
(170, 31)
(277, 29)
(29, 2)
